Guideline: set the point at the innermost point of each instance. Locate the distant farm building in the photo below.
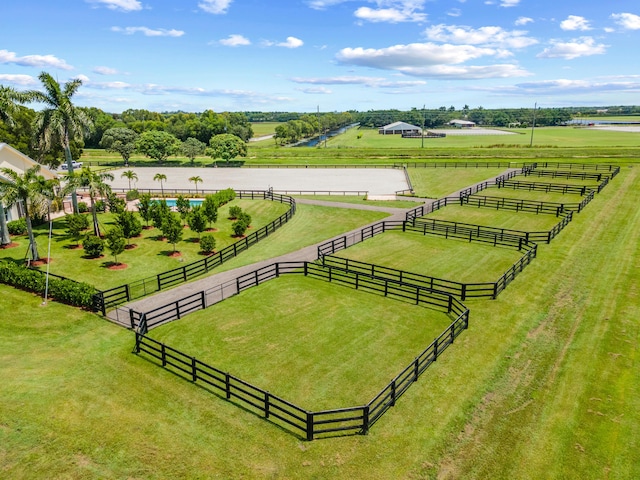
(462, 124)
(400, 128)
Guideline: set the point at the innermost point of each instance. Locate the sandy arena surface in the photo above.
(378, 181)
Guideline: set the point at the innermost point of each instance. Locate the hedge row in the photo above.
(61, 290)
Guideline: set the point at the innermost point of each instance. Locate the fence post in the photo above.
(126, 289)
(133, 321)
(194, 371)
(163, 354)
(309, 426)
(416, 368)
(393, 392)
(266, 404)
(227, 385)
(159, 284)
(463, 293)
(435, 349)
(203, 298)
(365, 419)
(453, 328)
(178, 309)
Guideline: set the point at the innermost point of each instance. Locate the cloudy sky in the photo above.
(336, 55)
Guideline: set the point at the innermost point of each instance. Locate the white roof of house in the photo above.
(461, 122)
(19, 162)
(400, 126)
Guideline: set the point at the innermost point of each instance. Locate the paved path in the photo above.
(309, 254)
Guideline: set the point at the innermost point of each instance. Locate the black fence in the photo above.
(614, 169)
(520, 205)
(305, 423)
(545, 187)
(104, 300)
(456, 164)
(579, 175)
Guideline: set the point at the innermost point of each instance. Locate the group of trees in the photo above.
(308, 125)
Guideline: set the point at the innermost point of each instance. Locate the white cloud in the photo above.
(628, 21)
(564, 86)
(82, 78)
(121, 5)
(487, 36)
(322, 4)
(390, 15)
(215, 6)
(575, 22)
(523, 21)
(315, 90)
(431, 60)
(509, 3)
(581, 47)
(34, 60)
(377, 82)
(454, 12)
(22, 80)
(148, 32)
(235, 40)
(292, 42)
(105, 71)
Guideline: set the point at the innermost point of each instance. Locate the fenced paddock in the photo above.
(107, 299)
(306, 423)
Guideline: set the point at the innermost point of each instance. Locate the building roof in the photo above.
(399, 126)
(461, 122)
(19, 162)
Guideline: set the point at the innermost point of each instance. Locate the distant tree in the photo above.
(60, 121)
(157, 145)
(144, 207)
(192, 147)
(95, 183)
(129, 224)
(172, 229)
(115, 242)
(226, 146)
(120, 140)
(160, 177)
(239, 227)
(183, 205)
(197, 220)
(76, 224)
(129, 175)
(246, 218)
(196, 179)
(210, 209)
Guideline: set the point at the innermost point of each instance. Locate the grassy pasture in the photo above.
(264, 128)
(544, 384)
(354, 199)
(339, 346)
(440, 182)
(523, 221)
(534, 195)
(450, 259)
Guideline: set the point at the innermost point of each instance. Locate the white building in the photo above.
(462, 124)
(399, 128)
(19, 163)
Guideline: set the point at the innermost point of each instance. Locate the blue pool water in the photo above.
(192, 201)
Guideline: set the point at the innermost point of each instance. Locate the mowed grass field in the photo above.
(338, 347)
(544, 384)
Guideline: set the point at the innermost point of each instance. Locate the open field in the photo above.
(264, 128)
(450, 259)
(357, 200)
(439, 182)
(534, 195)
(544, 384)
(338, 346)
(510, 219)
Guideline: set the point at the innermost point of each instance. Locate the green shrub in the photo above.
(207, 243)
(235, 211)
(62, 290)
(17, 227)
(93, 246)
(239, 227)
(82, 207)
(246, 218)
(100, 206)
(132, 195)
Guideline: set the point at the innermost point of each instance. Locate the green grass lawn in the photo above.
(533, 195)
(523, 221)
(339, 346)
(264, 128)
(149, 257)
(544, 384)
(435, 256)
(440, 182)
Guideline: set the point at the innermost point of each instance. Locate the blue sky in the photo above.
(336, 55)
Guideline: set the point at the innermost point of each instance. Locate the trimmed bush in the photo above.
(62, 290)
(100, 206)
(239, 227)
(17, 227)
(132, 195)
(207, 243)
(93, 246)
(235, 211)
(83, 207)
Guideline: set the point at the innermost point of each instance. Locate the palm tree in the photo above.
(94, 183)
(28, 189)
(9, 98)
(160, 177)
(60, 122)
(195, 179)
(130, 175)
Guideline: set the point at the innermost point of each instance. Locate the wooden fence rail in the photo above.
(308, 424)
